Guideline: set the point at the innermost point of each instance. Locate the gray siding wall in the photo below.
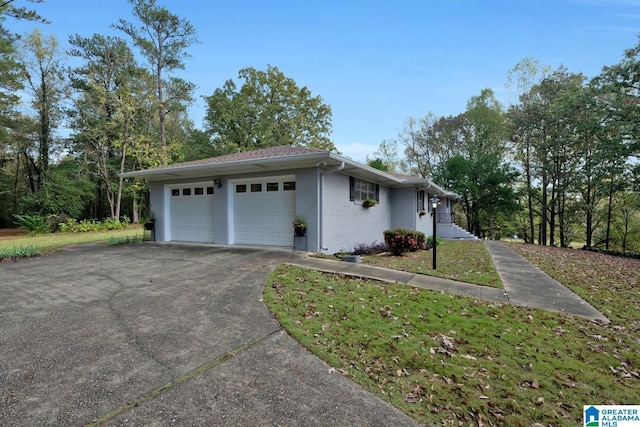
(425, 223)
(405, 211)
(403, 208)
(346, 223)
(307, 201)
(156, 196)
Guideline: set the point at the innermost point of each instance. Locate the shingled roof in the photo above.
(277, 158)
(262, 153)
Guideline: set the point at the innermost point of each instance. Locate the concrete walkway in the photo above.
(527, 285)
(524, 284)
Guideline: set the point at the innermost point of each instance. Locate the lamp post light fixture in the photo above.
(434, 206)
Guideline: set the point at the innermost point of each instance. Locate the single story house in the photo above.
(252, 198)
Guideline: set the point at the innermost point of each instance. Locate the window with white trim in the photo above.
(360, 190)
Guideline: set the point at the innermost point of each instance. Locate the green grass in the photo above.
(465, 261)
(114, 241)
(48, 243)
(19, 252)
(450, 360)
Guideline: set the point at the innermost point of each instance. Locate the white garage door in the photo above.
(264, 210)
(191, 216)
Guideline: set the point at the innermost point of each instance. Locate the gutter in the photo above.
(145, 173)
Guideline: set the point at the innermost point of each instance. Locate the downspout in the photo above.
(322, 173)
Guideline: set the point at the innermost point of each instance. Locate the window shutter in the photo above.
(352, 183)
(377, 192)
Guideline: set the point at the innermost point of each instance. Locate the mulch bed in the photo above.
(12, 233)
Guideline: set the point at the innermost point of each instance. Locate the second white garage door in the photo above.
(264, 210)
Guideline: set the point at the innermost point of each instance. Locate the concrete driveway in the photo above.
(155, 335)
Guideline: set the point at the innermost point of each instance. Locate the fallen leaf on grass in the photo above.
(310, 314)
(412, 398)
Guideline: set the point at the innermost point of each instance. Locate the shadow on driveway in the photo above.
(161, 335)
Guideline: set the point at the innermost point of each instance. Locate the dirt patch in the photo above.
(12, 233)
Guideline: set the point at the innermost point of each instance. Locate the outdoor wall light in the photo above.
(434, 201)
(217, 183)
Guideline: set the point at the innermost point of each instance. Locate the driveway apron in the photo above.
(157, 335)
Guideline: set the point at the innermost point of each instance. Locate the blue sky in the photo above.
(377, 62)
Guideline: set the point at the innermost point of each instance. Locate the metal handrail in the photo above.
(445, 218)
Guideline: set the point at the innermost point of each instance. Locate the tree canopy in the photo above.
(269, 109)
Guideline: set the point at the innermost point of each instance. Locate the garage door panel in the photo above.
(264, 218)
(191, 216)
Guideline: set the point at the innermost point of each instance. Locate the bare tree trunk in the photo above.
(609, 213)
(135, 214)
(120, 182)
(530, 196)
(543, 220)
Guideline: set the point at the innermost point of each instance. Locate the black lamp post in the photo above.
(434, 206)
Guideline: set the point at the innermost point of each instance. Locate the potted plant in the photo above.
(368, 202)
(150, 223)
(300, 226)
(347, 256)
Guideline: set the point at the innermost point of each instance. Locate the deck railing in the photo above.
(445, 218)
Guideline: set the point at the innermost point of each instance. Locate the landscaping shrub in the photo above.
(55, 221)
(36, 224)
(370, 249)
(430, 241)
(401, 240)
(73, 226)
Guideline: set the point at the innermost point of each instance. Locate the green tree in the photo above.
(163, 39)
(45, 80)
(486, 126)
(198, 145)
(378, 163)
(547, 121)
(430, 141)
(618, 87)
(484, 184)
(386, 157)
(110, 106)
(521, 79)
(12, 123)
(67, 191)
(269, 109)
(489, 179)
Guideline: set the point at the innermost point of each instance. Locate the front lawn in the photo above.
(464, 261)
(47, 243)
(450, 360)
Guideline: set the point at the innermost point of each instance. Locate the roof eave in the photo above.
(238, 164)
